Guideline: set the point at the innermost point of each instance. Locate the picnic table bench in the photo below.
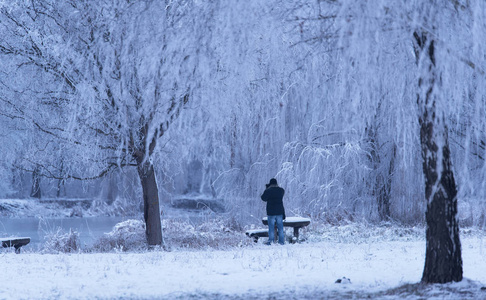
(15, 242)
(294, 222)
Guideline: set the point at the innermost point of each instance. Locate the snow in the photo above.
(16, 237)
(379, 269)
(292, 219)
(21, 208)
(57, 208)
(256, 230)
(296, 219)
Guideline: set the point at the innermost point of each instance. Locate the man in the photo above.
(273, 195)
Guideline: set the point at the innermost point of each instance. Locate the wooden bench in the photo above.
(294, 222)
(257, 233)
(15, 242)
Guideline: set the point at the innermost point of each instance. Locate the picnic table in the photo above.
(295, 222)
(15, 242)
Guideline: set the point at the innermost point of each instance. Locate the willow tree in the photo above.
(443, 261)
(356, 91)
(372, 52)
(118, 74)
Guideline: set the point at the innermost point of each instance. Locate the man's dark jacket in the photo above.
(273, 196)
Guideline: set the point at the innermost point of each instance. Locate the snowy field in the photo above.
(386, 268)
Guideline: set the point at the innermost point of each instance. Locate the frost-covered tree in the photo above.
(449, 67)
(359, 139)
(240, 126)
(120, 73)
(443, 261)
(373, 40)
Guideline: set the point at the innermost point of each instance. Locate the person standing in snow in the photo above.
(273, 195)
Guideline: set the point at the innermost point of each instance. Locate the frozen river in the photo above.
(89, 228)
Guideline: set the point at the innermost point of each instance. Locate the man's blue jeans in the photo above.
(271, 229)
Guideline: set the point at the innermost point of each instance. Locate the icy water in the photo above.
(89, 228)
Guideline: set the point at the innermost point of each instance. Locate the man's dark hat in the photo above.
(272, 181)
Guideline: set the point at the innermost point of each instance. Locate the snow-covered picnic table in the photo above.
(15, 242)
(294, 222)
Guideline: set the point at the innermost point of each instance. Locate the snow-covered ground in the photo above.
(382, 262)
(22, 208)
(383, 268)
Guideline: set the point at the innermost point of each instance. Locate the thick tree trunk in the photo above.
(153, 226)
(443, 262)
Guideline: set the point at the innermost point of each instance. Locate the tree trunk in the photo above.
(443, 262)
(60, 182)
(384, 189)
(151, 214)
(383, 182)
(36, 190)
(111, 189)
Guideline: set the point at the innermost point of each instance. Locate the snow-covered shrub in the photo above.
(16, 207)
(359, 232)
(76, 211)
(128, 235)
(215, 233)
(61, 241)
